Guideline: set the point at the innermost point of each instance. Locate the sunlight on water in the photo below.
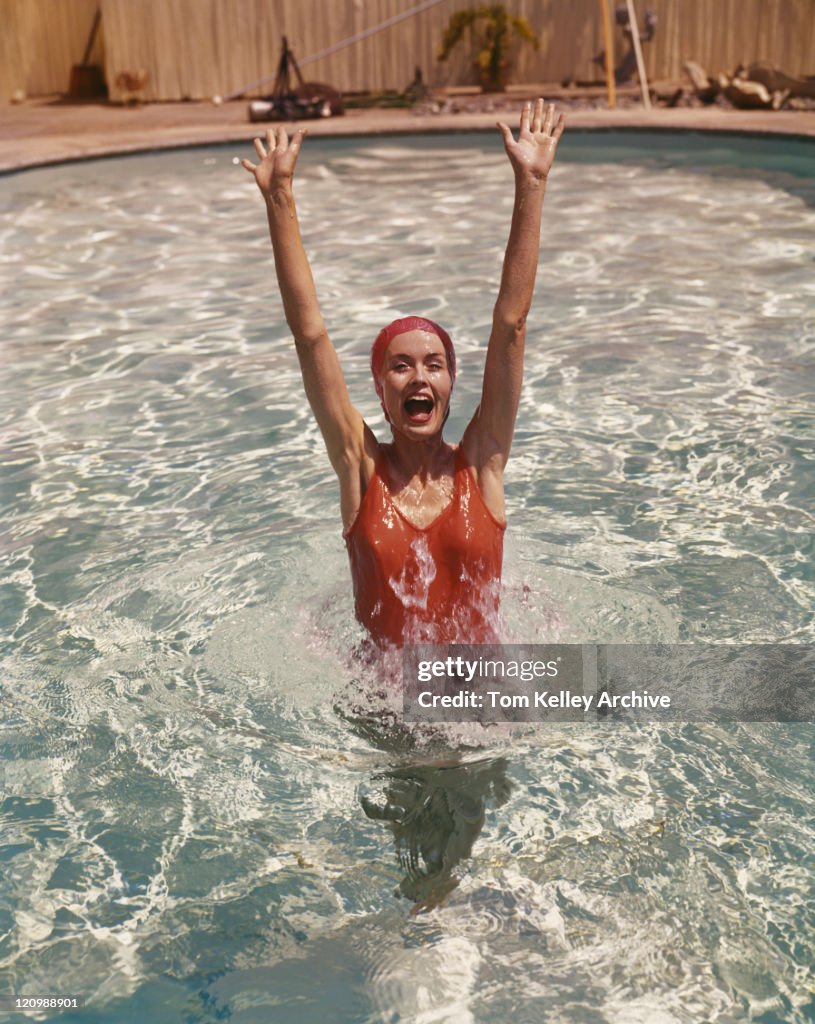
(210, 808)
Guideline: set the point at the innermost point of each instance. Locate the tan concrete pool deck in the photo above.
(46, 131)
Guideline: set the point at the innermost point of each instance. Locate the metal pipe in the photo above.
(635, 38)
(608, 37)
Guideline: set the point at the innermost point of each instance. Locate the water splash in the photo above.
(412, 585)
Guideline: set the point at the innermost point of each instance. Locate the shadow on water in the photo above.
(436, 812)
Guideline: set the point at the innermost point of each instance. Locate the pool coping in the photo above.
(46, 132)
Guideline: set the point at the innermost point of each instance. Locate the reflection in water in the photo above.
(436, 813)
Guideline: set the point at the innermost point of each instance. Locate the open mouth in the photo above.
(419, 409)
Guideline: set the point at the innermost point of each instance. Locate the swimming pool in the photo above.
(189, 816)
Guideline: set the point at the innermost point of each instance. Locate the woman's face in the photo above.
(416, 384)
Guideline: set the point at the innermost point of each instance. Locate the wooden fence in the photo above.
(39, 42)
(199, 48)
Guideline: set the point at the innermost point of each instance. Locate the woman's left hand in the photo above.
(534, 152)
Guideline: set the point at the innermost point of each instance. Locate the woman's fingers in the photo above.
(538, 116)
(561, 124)
(526, 114)
(273, 154)
(506, 132)
(541, 119)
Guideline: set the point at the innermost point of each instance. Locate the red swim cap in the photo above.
(402, 326)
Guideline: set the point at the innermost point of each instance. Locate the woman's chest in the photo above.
(422, 504)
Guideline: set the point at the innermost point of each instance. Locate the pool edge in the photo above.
(99, 132)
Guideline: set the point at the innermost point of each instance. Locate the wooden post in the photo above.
(608, 39)
(635, 37)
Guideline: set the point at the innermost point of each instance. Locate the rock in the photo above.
(777, 81)
(668, 99)
(705, 88)
(747, 95)
(800, 103)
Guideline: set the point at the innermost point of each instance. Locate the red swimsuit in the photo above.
(434, 584)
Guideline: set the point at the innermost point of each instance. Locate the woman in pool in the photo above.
(423, 520)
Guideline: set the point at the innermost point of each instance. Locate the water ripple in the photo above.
(184, 795)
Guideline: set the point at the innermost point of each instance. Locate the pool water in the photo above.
(198, 823)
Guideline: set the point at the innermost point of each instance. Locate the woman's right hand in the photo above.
(277, 159)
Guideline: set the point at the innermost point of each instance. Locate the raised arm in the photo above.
(341, 424)
(489, 437)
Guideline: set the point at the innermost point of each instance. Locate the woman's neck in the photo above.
(421, 459)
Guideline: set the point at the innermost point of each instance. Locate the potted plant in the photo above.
(493, 32)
